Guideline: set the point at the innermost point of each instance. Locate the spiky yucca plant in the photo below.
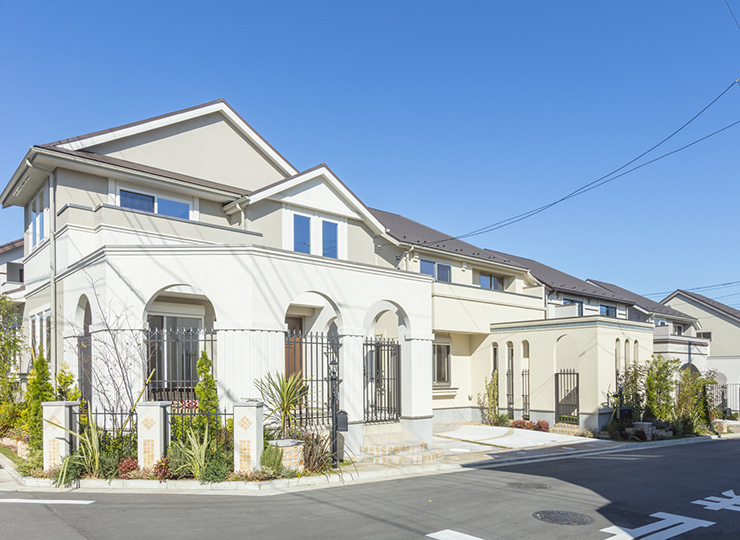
(282, 397)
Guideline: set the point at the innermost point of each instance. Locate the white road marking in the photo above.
(43, 501)
(447, 534)
(670, 525)
(567, 448)
(618, 458)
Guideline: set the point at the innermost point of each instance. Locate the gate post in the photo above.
(351, 391)
(248, 436)
(57, 442)
(153, 432)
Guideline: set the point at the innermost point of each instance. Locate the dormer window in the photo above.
(317, 234)
(145, 202)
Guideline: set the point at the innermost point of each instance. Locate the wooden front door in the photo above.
(294, 346)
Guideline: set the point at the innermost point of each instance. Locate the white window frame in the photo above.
(435, 382)
(189, 201)
(316, 220)
(38, 337)
(38, 220)
(436, 269)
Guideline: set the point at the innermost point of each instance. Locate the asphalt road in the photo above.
(615, 489)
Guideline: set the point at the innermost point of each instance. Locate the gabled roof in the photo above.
(708, 302)
(11, 245)
(408, 231)
(219, 105)
(651, 306)
(555, 280)
(101, 158)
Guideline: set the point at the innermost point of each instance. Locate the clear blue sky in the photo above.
(455, 114)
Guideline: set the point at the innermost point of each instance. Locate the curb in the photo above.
(286, 485)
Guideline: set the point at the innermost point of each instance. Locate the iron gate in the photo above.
(510, 391)
(382, 380)
(525, 394)
(312, 355)
(566, 396)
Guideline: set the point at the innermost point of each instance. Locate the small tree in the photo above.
(11, 345)
(207, 393)
(659, 386)
(66, 388)
(633, 389)
(39, 390)
(489, 400)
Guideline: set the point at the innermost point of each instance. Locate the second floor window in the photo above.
(37, 212)
(678, 329)
(607, 311)
(158, 205)
(489, 281)
(439, 271)
(301, 233)
(329, 239)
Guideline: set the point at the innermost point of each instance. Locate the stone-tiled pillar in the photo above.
(248, 436)
(153, 431)
(57, 442)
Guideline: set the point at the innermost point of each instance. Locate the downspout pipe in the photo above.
(53, 296)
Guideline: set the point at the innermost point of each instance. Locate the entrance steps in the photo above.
(562, 428)
(387, 443)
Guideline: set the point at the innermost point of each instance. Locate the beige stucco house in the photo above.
(191, 224)
(720, 326)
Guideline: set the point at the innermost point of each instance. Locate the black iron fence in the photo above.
(191, 421)
(724, 396)
(382, 380)
(525, 394)
(311, 355)
(117, 430)
(510, 392)
(173, 357)
(566, 396)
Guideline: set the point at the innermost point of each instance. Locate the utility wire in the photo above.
(733, 15)
(591, 185)
(516, 219)
(703, 288)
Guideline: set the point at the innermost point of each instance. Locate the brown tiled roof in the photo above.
(556, 280)
(648, 305)
(11, 245)
(719, 306)
(408, 231)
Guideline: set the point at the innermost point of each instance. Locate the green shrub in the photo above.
(488, 401)
(10, 417)
(271, 460)
(217, 468)
(207, 396)
(66, 388)
(317, 453)
(72, 469)
(33, 464)
(189, 458)
(39, 390)
(660, 385)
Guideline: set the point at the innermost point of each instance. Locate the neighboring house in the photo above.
(720, 325)
(586, 331)
(676, 334)
(11, 269)
(189, 231)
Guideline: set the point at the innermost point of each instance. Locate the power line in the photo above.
(599, 181)
(703, 288)
(733, 15)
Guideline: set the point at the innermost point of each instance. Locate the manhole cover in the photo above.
(525, 485)
(559, 517)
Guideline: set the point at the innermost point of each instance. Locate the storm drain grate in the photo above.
(530, 485)
(559, 517)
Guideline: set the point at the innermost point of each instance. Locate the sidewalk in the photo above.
(466, 447)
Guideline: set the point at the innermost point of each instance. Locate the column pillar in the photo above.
(153, 431)
(248, 435)
(416, 385)
(57, 442)
(351, 390)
